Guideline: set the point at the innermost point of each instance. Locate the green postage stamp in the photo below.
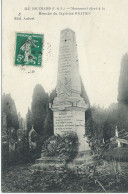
(29, 49)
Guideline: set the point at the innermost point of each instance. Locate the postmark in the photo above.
(29, 49)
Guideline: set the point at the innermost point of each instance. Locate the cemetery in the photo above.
(65, 144)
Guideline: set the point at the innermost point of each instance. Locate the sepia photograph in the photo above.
(64, 98)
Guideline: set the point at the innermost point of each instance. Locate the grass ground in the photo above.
(120, 154)
(107, 178)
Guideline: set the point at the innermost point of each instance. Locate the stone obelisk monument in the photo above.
(69, 107)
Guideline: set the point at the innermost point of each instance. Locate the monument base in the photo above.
(52, 164)
(71, 120)
(49, 164)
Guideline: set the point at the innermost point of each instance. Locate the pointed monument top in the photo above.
(67, 34)
(67, 29)
(68, 79)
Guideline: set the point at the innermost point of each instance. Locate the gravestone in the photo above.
(69, 107)
(20, 134)
(32, 138)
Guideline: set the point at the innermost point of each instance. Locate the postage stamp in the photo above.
(29, 49)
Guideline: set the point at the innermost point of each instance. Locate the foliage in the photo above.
(65, 146)
(118, 154)
(12, 136)
(23, 154)
(101, 122)
(95, 180)
(97, 146)
(39, 108)
(20, 134)
(22, 149)
(41, 181)
(40, 142)
(48, 123)
(5, 155)
(123, 81)
(123, 95)
(22, 122)
(122, 121)
(9, 108)
(29, 120)
(33, 136)
(99, 116)
(111, 122)
(89, 124)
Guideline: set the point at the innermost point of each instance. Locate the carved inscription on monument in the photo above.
(63, 122)
(68, 121)
(68, 63)
(64, 71)
(64, 60)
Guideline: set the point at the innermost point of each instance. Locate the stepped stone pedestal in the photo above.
(49, 164)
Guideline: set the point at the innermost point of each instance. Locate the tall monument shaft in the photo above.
(69, 107)
(68, 72)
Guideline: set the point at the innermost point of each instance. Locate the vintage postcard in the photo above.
(64, 96)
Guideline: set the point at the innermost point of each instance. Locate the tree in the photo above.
(89, 124)
(122, 121)
(111, 122)
(99, 116)
(48, 124)
(123, 81)
(9, 108)
(39, 108)
(29, 120)
(123, 95)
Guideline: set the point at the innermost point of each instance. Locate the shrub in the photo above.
(65, 146)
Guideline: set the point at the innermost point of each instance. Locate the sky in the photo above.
(101, 37)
